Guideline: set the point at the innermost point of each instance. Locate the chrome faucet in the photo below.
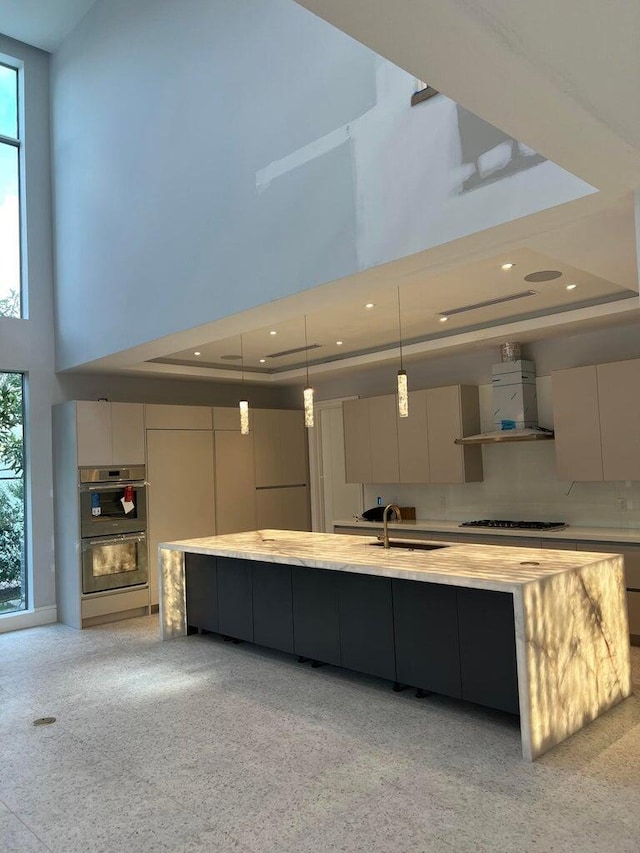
(385, 522)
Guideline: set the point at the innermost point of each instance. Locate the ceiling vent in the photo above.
(293, 351)
(488, 303)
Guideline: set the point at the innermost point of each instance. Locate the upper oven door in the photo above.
(108, 508)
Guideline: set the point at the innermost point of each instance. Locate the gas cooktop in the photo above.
(504, 524)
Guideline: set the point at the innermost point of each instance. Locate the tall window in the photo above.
(10, 290)
(13, 588)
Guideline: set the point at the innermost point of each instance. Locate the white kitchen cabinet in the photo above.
(235, 482)
(109, 433)
(382, 448)
(181, 494)
(285, 508)
(163, 416)
(413, 444)
(357, 441)
(453, 412)
(576, 423)
(383, 431)
(280, 447)
(619, 408)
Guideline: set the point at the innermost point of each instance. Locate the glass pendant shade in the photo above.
(308, 407)
(244, 417)
(403, 395)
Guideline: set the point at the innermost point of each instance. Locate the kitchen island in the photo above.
(478, 617)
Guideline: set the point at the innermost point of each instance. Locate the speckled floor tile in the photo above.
(201, 746)
(15, 837)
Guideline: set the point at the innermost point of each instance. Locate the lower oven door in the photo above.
(113, 562)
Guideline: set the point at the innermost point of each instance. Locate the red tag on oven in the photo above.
(128, 493)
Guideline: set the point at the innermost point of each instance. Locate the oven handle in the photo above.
(113, 540)
(115, 487)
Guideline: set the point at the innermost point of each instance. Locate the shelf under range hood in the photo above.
(508, 435)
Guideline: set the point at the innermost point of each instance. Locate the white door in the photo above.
(332, 497)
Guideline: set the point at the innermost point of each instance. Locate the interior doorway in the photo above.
(331, 496)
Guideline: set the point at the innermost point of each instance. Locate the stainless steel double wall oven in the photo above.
(113, 527)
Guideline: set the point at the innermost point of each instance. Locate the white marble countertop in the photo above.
(576, 534)
(482, 566)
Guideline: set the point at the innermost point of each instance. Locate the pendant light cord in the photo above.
(306, 349)
(242, 360)
(399, 327)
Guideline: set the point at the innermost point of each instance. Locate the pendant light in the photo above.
(244, 404)
(403, 391)
(308, 391)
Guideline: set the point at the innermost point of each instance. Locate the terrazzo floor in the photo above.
(201, 745)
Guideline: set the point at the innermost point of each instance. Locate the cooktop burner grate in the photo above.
(505, 524)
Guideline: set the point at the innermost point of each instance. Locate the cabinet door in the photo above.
(127, 429)
(269, 512)
(227, 417)
(366, 624)
(576, 424)
(413, 446)
(160, 416)
(426, 636)
(235, 482)
(316, 626)
(293, 448)
(180, 500)
(357, 441)
(444, 425)
(619, 406)
(267, 447)
(272, 606)
(235, 598)
(93, 425)
(201, 591)
(295, 508)
(383, 431)
(488, 648)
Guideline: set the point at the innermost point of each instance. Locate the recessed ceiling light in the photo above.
(369, 305)
(262, 360)
(444, 318)
(507, 266)
(197, 352)
(571, 286)
(273, 332)
(339, 343)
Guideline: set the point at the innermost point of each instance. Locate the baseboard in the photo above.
(28, 618)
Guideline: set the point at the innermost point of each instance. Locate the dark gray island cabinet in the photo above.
(547, 639)
(440, 639)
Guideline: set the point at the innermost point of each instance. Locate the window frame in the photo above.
(17, 142)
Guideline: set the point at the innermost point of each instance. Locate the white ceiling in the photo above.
(41, 23)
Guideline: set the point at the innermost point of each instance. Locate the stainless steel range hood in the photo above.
(515, 407)
(504, 435)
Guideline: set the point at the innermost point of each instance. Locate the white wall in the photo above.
(210, 157)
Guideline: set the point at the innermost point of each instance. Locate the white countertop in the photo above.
(482, 566)
(575, 534)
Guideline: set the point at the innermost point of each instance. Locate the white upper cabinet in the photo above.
(163, 416)
(109, 433)
(596, 412)
(280, 447)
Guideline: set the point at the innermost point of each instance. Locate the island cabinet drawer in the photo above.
(316, 620)
(235, 598)
(201, 591)
(425, 619)
(486, 629)
(272, 606)
(366, 624)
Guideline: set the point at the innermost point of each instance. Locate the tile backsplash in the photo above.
(520, 482)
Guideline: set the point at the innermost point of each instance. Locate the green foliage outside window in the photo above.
(11, 489)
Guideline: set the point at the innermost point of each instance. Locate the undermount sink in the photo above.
(410, 546)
